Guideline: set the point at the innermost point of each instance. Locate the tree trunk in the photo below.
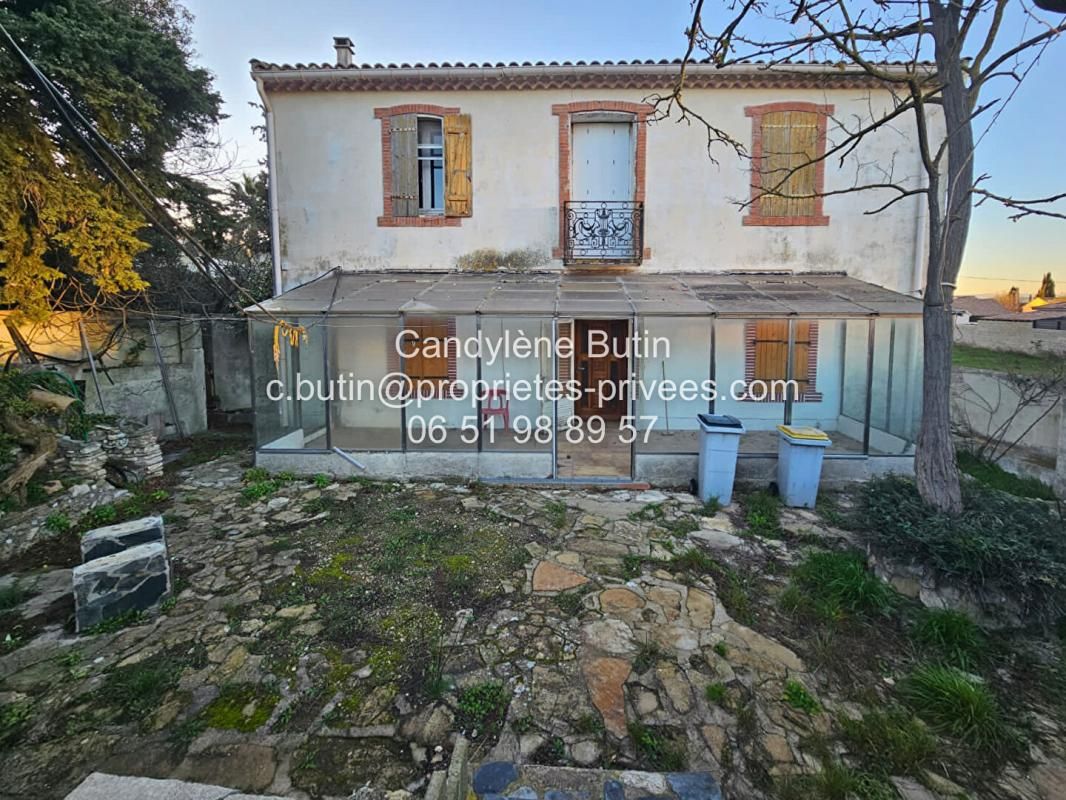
(934, 463)
(934, 459)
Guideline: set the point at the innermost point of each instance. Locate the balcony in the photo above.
(603, 232)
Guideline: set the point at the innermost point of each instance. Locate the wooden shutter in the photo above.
(405, 165)
(801, 347)
(789, 141)
(458, 188)
(771, 349)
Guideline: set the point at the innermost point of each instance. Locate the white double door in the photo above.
(602, 161)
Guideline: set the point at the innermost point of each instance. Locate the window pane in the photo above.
(430, 131)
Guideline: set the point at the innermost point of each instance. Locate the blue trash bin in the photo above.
(799, 464)
(719, 440)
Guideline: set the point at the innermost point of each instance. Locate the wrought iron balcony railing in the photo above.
(603, 232)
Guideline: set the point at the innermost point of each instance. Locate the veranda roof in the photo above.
(738, 295)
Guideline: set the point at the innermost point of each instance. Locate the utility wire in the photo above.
(172, 229)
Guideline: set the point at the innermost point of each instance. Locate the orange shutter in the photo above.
(458, 186)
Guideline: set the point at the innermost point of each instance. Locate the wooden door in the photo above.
(601, 374)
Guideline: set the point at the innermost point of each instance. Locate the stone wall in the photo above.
(1020, 337)
(230, 365)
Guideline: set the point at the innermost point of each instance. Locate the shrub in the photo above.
(956, 704)
(892, 741)
(999, 543)
(830, 585)
(952, 635)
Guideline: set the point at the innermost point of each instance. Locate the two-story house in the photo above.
(517, 271)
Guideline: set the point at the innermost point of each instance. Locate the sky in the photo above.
(1022, 153)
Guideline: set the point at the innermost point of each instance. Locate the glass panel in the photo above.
(896, 397)
(430, 131)
(362, 354)
(518, 416)
(289, 396)
(674, 370)
(734, 354)
(834, 400)
(442, 414)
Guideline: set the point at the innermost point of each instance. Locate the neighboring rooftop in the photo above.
(978, 307)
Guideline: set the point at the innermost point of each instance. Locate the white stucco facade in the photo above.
(326, 161)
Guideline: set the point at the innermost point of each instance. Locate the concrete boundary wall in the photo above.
(1018, 337)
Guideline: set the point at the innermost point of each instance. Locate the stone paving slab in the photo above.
(502, 780)
(100, 786)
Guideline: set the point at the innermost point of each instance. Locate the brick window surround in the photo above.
(387, 218)
(756, 113)
(811, 394)
(563, 111)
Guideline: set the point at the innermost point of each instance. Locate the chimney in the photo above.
(345, 51)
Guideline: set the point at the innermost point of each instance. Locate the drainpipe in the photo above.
(272, 186)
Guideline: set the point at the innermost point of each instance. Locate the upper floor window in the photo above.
(431, 165)
(788, 164)
(426, 156)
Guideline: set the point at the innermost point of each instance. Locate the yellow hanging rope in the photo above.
(289, 332)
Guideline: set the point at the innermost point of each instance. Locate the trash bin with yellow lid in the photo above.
(799, 464)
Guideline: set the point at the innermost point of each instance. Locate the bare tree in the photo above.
(944, 60)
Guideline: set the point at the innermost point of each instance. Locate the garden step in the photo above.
(101, 786)
(505, 780)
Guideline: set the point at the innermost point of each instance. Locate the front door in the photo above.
(602, 158)
(602, 367)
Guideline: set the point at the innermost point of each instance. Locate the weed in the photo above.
(891, 742)
(287, 476)
(954, 703)
(721, 649)
(255, 475)
(797, 696)
(715, 693)
(57, 522)
(524, 725)
(693, 560)
(762, 512)
(660, 751)
(241, 707)
(321, 480)
(631, 567)
(482, 707)
(555, 511)
(104, 514)
(951, 635)
(570, 602)
(648, 653)
(589, 724)
(649, 513)
(258, 490)
(12, 596)
(458, 572)
(13, 719)
(124, 620)
(680, 528)
(138, 690)
(711, 507)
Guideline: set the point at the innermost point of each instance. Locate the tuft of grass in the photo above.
(322, 480)
(658, 750)
(631, 566)
(835, 782)
(12, 596)
(555, 511)
(693, 560)
(993, 475)
(797, 696)
(258, 490)
(711, 507)
(715, 693)
(762, 512)
(648, 653)
(953, 703)
(13, 720)
(828, 586)
(951, 635)
(891, 742)
(124, 620)
(721, 649)
(138, 690)
(570, 602)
